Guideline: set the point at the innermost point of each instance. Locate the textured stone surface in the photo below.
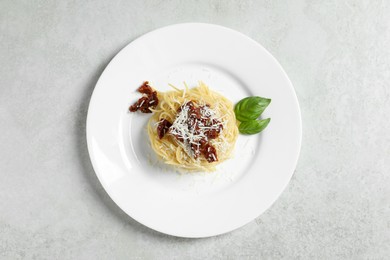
(337, 55)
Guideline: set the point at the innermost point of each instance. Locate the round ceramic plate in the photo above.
(193, 204)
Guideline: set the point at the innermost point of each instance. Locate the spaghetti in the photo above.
(193, 129)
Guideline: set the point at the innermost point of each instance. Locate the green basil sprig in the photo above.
(248, 111)
(250, 108)
(253, 126)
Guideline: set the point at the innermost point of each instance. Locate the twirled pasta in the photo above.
(173, 152)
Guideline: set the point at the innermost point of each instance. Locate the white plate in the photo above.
(193, 205)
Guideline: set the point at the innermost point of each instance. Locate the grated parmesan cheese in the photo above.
(181, 128)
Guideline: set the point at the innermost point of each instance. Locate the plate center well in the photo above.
(136, 140)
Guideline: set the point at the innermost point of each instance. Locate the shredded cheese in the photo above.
(183, 130)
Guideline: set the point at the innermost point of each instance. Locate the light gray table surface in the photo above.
(336, 53)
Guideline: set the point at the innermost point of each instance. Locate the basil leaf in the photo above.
(250, 108)
(253, 126)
